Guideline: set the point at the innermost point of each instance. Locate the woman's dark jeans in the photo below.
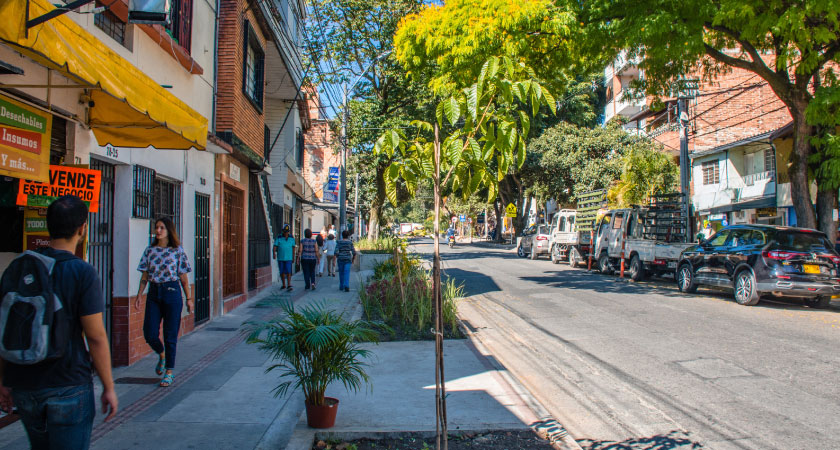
(57, 418)
(308, 267)
(163, 302)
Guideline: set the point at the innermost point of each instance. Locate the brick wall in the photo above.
(234, 111)
(319, 154)
(734, 106)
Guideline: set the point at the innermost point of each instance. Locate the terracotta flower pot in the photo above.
(322, 416)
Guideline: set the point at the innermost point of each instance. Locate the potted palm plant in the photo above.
(313, 347)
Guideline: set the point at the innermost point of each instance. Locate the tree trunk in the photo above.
(800, 186)
(440, 379)
(826, 203)
(378, 202)
(498, 228)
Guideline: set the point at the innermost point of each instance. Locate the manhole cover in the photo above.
(222, 329)
(137, 380)
(713, 368)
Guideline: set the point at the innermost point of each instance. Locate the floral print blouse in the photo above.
(164, 264)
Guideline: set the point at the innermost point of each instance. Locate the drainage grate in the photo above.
(137, 380)
(221, 329)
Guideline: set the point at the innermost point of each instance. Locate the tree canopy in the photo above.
(447, 44)
(790, 45)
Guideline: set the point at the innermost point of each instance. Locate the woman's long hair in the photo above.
(174, 241)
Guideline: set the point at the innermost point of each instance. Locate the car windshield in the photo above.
(542, 230)
(802, 241)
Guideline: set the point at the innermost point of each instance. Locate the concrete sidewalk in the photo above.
(222, 396)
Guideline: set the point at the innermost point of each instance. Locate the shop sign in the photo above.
(717, 216)
(235, 173)
(766, 212)
(63, 180)
(35, 234)
(332, 179)
(24, 141)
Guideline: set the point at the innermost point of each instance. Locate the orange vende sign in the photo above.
(24, 140)
(63, 180)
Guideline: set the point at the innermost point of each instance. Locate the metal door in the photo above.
(101, 235)
(202, 257)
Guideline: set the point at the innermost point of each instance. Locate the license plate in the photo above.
(672, 264)
(811, 268)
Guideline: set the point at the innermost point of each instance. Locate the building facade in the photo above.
(144, 109)
(732, 158)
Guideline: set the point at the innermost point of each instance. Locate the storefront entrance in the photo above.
(202, 258)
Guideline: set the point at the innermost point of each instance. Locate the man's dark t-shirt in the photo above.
(77, 285)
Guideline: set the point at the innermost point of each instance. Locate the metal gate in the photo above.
(202, 257)
(101, 235)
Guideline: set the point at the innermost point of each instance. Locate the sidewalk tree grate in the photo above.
(137, 380)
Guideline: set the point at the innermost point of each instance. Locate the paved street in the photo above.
(648, 367)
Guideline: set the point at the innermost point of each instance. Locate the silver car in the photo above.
(534, 242)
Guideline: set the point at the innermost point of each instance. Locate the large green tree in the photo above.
(349, 39)
(573, 159)
(788, 44)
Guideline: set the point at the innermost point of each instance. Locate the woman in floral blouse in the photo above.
(164, 264)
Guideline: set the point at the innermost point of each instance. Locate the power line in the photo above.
(742, 122)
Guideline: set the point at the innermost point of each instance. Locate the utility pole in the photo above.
(356, 224)
(342, 189)
(686, 90)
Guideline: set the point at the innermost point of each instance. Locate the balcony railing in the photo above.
(752, 178)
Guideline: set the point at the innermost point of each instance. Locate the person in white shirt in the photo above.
(329, 249)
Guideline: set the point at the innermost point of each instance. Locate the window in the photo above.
(769, 160)
(711, 172)
(299, 147)
(719, 239)
(180, 23)
(562, 224)
(144, 190)
(252, 82)
(111, 25)
(167, 201)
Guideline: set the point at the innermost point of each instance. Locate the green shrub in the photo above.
(385, 244)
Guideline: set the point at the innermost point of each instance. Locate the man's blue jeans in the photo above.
(57, 418)
(344, 274)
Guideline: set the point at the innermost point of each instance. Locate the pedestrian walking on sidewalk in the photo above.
(320, 240)
(54, 397)
(308, 258)
(345, 254)
(329, 249)
(164, 266)
(284, 253)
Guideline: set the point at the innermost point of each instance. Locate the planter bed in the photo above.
(493, 440)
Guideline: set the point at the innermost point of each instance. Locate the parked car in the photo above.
(757, 260)
(534, 242)
(566, 243)
(650, 239)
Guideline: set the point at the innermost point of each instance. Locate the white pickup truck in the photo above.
(566, 243)
(649, 246)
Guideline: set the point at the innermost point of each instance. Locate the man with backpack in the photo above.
(48, 375)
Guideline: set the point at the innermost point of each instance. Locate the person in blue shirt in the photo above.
(284, 253)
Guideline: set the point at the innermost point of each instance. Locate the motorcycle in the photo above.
(451, 241)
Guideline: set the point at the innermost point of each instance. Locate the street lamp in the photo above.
(342, 190)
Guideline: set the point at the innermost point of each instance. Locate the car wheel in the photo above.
(637, 269)
(604, 264)
(574, 257)
(520, 251)
(745, 289)
(819, 302)
(555, 254)
(685, 279)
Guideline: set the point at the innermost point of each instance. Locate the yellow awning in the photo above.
(130, 109)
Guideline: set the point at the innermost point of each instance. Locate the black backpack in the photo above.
(34, 323)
